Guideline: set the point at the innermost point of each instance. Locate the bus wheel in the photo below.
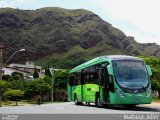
(76, 100)
(87, 103)
(97, 101)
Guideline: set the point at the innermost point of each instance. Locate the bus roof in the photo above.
(102, 59)
(122, 57)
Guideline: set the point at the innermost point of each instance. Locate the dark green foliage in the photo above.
(155, 85)
(5, 77)
(17, 84)
(17, 74)
(35, 74)
(47, 79)
(154, 63)
(37, 87)
(15, 81)
(13, 76)
(60, 79)
(10, 79)
(47, 71)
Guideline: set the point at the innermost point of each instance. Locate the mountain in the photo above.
(64, 38)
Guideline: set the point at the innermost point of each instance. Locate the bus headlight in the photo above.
(149, 93)
(119, 93)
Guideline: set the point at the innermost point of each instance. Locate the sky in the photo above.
(137, 18)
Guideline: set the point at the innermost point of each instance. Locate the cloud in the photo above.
(140, 13)
(13, 3)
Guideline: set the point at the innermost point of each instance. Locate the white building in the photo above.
(9, 71)
(29, 67)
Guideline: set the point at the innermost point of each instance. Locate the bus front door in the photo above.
(82, 90)
(69, 87)
(102, 84)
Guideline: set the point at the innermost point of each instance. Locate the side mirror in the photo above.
(111, 74)
(110, 70)
(149, 70)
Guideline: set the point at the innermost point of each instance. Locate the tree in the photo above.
(154, 63)
(3, 86)
(47, 72)
(47, 79)
(13, 94)
(17, 76)
(37, 87)
(17, 84)
(15, 81)
(35, 74)
(155, 85)
(60, 85)
(60, 79)
(5, 77)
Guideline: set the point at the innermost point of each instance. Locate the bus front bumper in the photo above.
(131, 99)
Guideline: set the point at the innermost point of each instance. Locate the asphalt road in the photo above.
(70, 111)
(71, 108)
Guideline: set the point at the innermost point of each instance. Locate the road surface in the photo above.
(70, 111)
(71, 108)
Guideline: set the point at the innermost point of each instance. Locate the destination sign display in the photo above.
(129, 64)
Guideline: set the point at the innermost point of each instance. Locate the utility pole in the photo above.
(52, 84)
(2, 46)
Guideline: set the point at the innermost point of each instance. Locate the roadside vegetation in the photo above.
(154, 63)
(15, 91)
(156, 100)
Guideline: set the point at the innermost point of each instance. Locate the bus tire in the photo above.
(76, 100)
(97, 101)
(87, 103)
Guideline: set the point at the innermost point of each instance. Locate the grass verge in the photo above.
(156, 100)
(25, 103)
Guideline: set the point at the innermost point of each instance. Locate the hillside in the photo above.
(64, 38)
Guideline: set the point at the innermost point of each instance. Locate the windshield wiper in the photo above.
(143, 87)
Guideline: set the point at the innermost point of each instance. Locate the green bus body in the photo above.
(103, 79)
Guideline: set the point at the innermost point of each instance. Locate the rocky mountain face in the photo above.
(64, 38)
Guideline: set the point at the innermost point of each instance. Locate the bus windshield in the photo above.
(130, 74)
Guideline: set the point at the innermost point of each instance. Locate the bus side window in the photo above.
(82, 78)
(78, 78)
(93, 75)
(75, 81)
(86, 75)
(71, 81)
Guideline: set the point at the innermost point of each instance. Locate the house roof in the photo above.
(24, 66)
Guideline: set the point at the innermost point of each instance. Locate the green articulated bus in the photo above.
(107, 80)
